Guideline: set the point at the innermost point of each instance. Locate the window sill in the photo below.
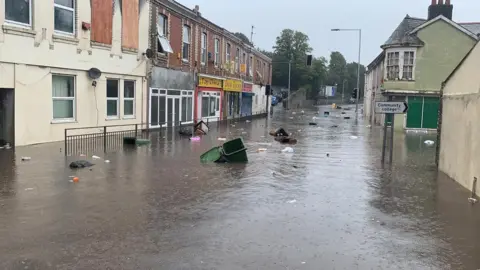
(18, 30)
(161, 55)
(129, 50)
(129, 117)
(98, 45)
(63, 121)
(112, 118)
(65, 39)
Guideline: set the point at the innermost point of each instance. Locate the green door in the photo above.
(430, 112)
(414, 113)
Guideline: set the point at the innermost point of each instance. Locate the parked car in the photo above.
(274, 100)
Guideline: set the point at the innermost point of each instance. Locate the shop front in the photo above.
(209, 95)
(170, 98)
(232, 98)
(247, 99)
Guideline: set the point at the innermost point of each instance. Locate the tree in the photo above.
(337, 69)
(244, 38)
(291, 46)
(352, 77)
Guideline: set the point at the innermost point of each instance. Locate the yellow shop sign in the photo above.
(232, 85)
(209, 82)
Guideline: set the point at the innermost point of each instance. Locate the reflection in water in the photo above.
(331, 203)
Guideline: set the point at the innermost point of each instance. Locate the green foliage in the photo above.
(294, 46)
(244, 38)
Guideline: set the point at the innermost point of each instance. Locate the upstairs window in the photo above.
(18, 12)
(64, 20)
(204, 48)
(228, 53)
(393, 67)
(408, 62)
(237, 60)
(186, 43)
(163, 45)
(217, 51)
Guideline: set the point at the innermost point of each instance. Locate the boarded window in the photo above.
(102, 20)
(130, 24)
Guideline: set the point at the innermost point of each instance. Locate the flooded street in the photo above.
(157, 207)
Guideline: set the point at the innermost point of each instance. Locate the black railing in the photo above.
(86, 140)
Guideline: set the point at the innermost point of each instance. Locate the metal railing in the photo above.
(85, 140)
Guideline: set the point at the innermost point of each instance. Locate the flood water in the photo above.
(157, 207)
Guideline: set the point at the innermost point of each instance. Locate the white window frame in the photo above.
(401, 63)
(57, 120)
(412, 65)
(228, 52)
(237, 60)
(217, 51)
(164, 29)
(162, 35)
(204, 46)
(393, 65)
(73, 17)
(15, 23)
(117, 99)
(132, 99)
(188, 42)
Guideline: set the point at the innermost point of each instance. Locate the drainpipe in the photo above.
(439, 126)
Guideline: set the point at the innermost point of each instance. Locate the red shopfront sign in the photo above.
(247, 87)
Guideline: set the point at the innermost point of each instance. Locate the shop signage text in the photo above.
(209, 82)
(232, 85)
(247, 87)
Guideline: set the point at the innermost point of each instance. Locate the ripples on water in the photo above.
(157, 207)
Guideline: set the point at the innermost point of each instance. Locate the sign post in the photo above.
(389, 108)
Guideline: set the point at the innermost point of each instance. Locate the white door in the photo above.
(174, 111)
(157, 108)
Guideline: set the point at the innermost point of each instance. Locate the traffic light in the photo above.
(355, 93)
(309, 60)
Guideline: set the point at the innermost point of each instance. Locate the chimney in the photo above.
(197, 9)
(440, 8)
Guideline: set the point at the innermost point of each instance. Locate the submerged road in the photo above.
(159, 208)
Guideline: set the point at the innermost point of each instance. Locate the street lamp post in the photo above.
(358, 64)
(343, 91)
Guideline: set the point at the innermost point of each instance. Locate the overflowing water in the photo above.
(328, 205)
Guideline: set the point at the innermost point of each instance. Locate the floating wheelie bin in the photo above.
(235, 151)
(212, 155)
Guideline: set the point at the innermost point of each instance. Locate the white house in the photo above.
(46, 51)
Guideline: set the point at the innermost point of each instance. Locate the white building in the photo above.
(373, 87)
(46, 50)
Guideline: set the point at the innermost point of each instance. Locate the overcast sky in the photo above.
(377, 19)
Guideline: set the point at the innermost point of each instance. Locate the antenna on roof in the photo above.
(251, 34)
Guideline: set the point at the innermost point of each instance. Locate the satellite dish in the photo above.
(94, 73)
(148, 53)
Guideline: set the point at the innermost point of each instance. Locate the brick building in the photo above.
(200, 70)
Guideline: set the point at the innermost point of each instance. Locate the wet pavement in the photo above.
(157, 207)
